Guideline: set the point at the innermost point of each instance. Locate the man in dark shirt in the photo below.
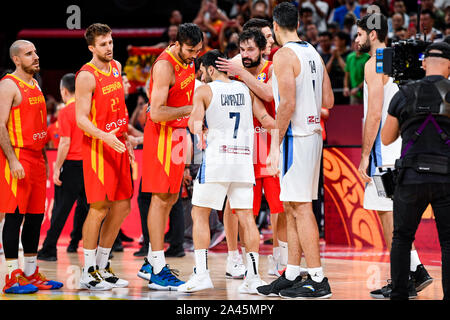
(419, 183)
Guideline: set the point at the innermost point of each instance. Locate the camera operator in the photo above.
(420, 112)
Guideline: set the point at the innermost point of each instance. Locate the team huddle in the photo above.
(242, 109)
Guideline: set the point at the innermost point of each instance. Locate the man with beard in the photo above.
(171, 89)
(378, 92)
(301, 87)
(227, 108)
(23, 163)
(257, 73)
(102, 114)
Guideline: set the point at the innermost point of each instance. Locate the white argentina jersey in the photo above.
(308, 93)
(228, 156)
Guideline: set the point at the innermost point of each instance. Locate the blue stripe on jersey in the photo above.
(288, 150)
(376, 159)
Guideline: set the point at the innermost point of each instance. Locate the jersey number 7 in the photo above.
(236, 115)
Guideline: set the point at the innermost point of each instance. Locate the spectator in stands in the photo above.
(397, 22)
(231, 50)
(176, 18)
(363, 10)
(172, 32)
(306, 18)
(229, 33)
(210, 19)
(350, 25)
(333, 28)
(320, 12)
(439, 15)
(325, 42)
(447, 15)
(447, 29)
(400, 34)
(354, 75)
(412, 27)
(336, 66)
(259, 9)
(399, 8)
(340, 12)
(427, 19)
(312, 35)
(205, 45)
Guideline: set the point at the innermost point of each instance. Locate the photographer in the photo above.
(420, 112)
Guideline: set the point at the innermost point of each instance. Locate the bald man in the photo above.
(24, 167)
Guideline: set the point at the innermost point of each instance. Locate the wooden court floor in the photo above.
(352, 275)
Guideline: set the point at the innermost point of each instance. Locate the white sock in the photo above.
(29, 265)
(201, 260)
(316, 274)
(233, 255)
(252, 263)
(276, 253)
(12, 265)
(303, 270)
(292, 272)
(415, 261)
(244, 255)
(89, 259)
(158, 260)
(149, 254)
(283, 252)
(102, 257)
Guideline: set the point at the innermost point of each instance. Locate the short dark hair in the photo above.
(95, 30)
(255, 35)
(366, 22)
(285, 14)
(190, 34)
(68, 82)
(303, 10)
(326, 34)
(256, 23)
(343, 36)
(210, 58)
(431, 13)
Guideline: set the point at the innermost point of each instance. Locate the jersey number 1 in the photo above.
(236, 115)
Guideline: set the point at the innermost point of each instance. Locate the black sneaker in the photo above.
(117, 246)
(46, 255)
(72, 248)
(385, 292)
(421, 278)
(273, 289)
(174, 252)
(142, 252)
(308, 289)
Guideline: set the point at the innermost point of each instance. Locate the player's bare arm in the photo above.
(390, 131)
(63, 150)
(84, 88)
(372, 124)
(260, 113)
(327, 90)
(9, 96)
(261, 89)
(202, 99)
(163, 78)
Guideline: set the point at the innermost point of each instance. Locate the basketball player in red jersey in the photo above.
(102, 114)
(171, 89)
(257, 75)
(23, 167)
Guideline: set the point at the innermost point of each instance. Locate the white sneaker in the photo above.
(197, 282)
(235, 268)
(250, 284)
(274, 266)
(92, 280)
(108, 275)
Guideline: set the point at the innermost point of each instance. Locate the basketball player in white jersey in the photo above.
(301, 87)
(378, 92)
(226, 108)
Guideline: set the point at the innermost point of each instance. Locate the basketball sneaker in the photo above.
(385, 292)
(108, 275)
(166, 279)
(273, 289)
(92, 280)
(146, 270)
(235, 268)
(38, 279)
(308, 289)
(18, 284)
(197, 282)
(251, 283)
(421, 278)
(274, 266)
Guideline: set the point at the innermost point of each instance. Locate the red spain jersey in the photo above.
(182, 92)
(27, 129)
(27, 123)
(106, 172)
(262, 137)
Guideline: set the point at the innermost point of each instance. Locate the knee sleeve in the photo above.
(31, 232)
(11, 232)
